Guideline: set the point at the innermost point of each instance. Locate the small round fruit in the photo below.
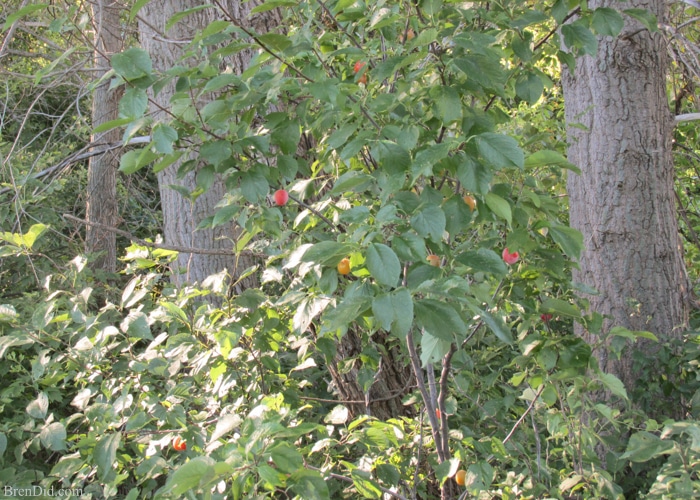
(358, 66)
(461, 477)
(179, 444)
(438, 414)
(470, 201)
(362, 79)
(410, 35)
(546, 317)
(434, 260)
(510, 258)
(281, 197)
(344, 267)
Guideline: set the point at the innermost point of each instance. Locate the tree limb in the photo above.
(176, 248)
(688, 117)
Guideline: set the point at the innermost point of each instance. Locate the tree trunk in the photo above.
(102, 169)
(623, 201)
(392, 381)
(180, 216)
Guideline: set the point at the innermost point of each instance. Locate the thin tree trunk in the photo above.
(102, 169)
(623, 201)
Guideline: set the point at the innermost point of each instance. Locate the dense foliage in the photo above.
(400, 132)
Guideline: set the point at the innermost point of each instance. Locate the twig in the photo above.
(176, 248)
(444, 374)
(83, 154)
(522, 417)
(315, 212)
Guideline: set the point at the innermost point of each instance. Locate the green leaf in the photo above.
(254, 185)
(430, 221)
(474, 176)
(439, 318)
(619, 331)
(7, 313)
(136, 325)
(112, 124)
(607, 21)
(135, 160)
(309, 485)
(484, 260)
(106, 453)
(132, 64)
(545, 157)
(393, 158)
(613, 384)
(499, 206)
(364, 485)
(457, 215)
(643, 446)
(287, 136)
(433, 348)
(188, 476)
(350, 180)
(53, 436)
(273, 4)
(345, 313)
(383, 264)
(274, 41)
(3, 443)
(138, 5)
(578, 36)
(216, 152)
(645, 17)
(500, 150)
(341, 136)
(529, 87)
(327, 252)
(182, 14)
(163, 138)
(23, 12)
(402, 304)
(39, 407)
(479, 477)
(30, 237)
(383, 311)
(495, 324)
(569, 239)
(133, 103)
(206, 176)
(448, 106)
(394, 311)
(560, 307)
(286, 458)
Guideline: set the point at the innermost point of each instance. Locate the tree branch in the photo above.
(688, 117)
(175, 248)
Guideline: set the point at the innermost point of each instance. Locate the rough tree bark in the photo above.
(180, 216)
(102, 169)
(623, 201)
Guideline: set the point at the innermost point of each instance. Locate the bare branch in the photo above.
(687, 117)
(176, 248)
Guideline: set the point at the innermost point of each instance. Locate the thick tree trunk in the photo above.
(392, 381)
(180, 216)
(102, 169)
(623, 201)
